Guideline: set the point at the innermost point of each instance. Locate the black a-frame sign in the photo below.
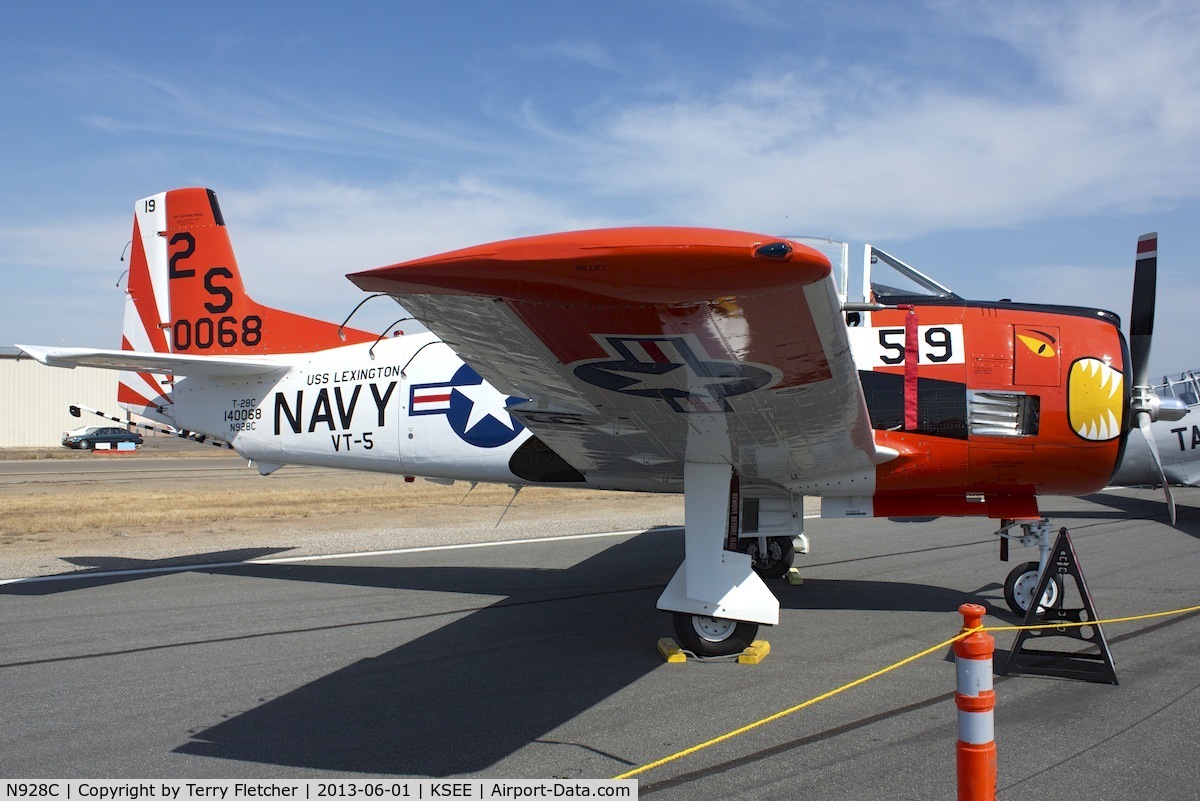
(1095, 664)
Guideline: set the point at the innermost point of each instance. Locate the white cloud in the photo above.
(1094, 107)
(1110, 123)
(583, 52)
(91, 244)
(295, 241)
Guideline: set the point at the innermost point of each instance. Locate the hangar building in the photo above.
(34, 399)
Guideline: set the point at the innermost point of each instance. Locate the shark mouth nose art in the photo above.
(1095, 400)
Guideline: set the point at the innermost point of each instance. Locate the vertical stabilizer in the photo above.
(185, 295)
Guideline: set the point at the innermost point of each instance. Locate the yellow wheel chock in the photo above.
(756, 652)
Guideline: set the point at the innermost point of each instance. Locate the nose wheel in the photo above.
(1022, 583)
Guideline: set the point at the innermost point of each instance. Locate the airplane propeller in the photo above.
(1144, 404)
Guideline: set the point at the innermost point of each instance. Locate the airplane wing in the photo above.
(137, 361)
(642, 349)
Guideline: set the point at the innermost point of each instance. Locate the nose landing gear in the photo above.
(1022, 581)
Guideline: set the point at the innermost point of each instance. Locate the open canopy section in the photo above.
(886, 279)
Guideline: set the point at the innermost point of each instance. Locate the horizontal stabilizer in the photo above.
(171, 363)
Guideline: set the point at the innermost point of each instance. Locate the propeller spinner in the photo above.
(1145, 406)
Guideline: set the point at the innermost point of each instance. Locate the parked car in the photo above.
(87, 438)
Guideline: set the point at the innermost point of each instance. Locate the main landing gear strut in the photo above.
(717, 599)
(1022, 580)
(770, 558)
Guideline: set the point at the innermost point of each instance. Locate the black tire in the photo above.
(1019, 587)
(781, 553)
(710, 636)
(85, 445)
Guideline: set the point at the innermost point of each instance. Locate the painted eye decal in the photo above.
(1039, 342)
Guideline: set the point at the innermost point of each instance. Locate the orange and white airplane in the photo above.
(728, 366)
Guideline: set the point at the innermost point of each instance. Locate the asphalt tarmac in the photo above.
(537, 660)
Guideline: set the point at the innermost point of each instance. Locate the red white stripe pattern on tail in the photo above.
(147, 311)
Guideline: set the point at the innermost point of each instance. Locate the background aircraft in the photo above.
(1177, 441)
(729, 366)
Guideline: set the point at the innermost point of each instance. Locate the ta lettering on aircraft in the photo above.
(1177, 443)
(732, 367)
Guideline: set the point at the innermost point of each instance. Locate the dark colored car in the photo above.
(86, 438)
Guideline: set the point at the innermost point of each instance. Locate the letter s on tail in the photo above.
(185, 296)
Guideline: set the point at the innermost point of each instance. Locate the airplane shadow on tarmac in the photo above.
(881, 596)
(466, 695)
(497, 677)
(1147, 505)
(105, 570)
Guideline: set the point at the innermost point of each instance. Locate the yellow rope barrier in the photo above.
(1107, 622)
(796, 708)
(851, 685)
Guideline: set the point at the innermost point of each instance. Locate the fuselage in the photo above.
(1012, 401)
(1008, 397)
(405, 405)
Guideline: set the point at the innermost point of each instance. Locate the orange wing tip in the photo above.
(638, 265)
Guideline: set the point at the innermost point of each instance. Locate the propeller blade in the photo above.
(1141, 316)
(1143, 421)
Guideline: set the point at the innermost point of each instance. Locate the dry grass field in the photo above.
(62, 521)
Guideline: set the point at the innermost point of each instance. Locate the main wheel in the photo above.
(1020, 586)
(85, 444)
(713, 636)
(776, 562)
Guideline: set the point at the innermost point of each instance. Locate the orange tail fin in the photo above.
(185, 295)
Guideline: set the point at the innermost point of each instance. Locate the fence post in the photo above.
(975, 699)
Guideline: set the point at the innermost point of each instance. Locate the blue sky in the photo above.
(1010, 149)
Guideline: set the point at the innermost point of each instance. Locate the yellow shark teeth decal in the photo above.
(1095, 400)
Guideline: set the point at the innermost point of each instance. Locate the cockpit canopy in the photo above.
(1186, 387)
(886, 279)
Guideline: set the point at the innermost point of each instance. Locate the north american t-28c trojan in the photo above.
(1178, 443)
(725, 365)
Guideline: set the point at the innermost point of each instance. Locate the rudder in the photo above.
(185, 295)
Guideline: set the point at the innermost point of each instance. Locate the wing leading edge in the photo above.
(643, 349)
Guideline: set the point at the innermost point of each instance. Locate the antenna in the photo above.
(341, 335)
(371, 350)
(516, 488)
(403, 370)
(124, 250)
